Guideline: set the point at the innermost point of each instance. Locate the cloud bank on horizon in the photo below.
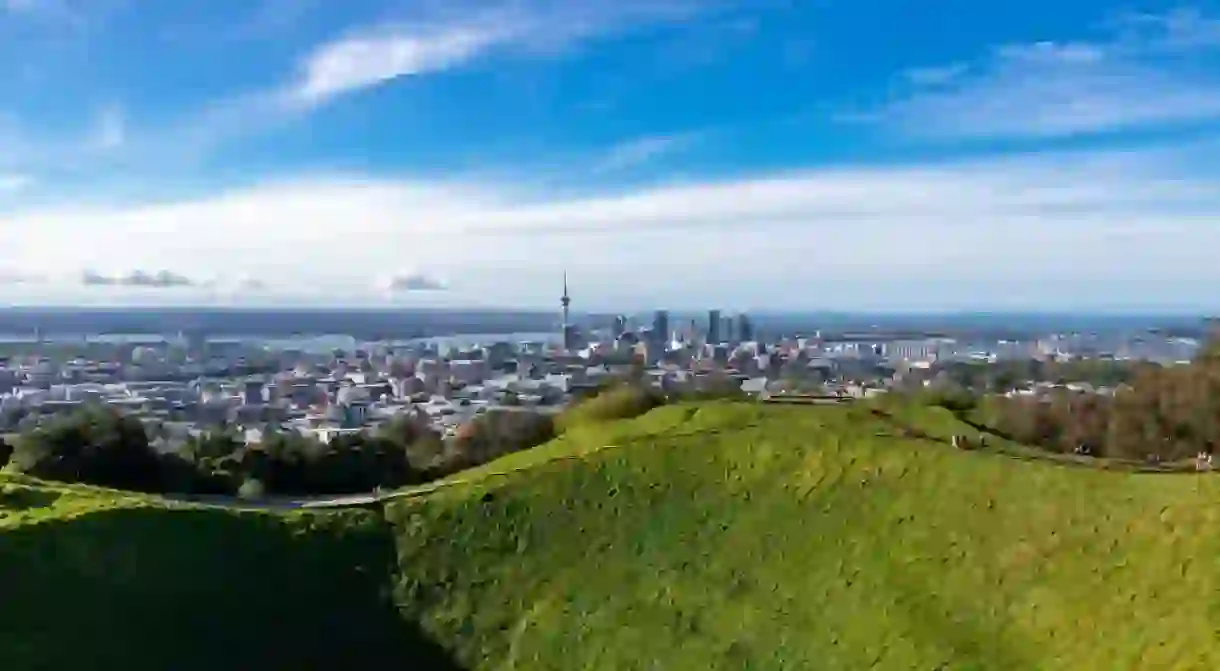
(662, 152)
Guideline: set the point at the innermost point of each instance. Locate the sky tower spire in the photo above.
(566, 302)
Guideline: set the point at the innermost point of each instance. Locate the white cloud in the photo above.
(388, 51)
(633, 153)
(981, 233)
(362, 61)
(24, 147)
(430, 38)
(1146, 78)
(161, 279)
(1182, 28)
(411, 282)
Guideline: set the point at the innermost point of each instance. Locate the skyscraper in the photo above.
(745, 329)
(713, 327)
(660, 327)
(620, 325)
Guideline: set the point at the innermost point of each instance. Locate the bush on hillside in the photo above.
(427, 454)
(6, 452)
(952, 397)
(291, 464)
(251, 490)
(100, 446)
(620, 402)
(95, 445)
(495, 434)
(714, 387)
(406, 429)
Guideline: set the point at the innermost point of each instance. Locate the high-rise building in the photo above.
(660, 327)
(713, 327)
(620, 325)
(745, 329)
(729, 334)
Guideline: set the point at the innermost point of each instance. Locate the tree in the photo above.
(6, 452)
(623, 401)
(405, 429)
(496, 434)
(251, 490)
(96, 445)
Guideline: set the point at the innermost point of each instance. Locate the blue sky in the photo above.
(774, 154)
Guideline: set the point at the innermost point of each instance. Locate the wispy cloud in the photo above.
(359, 62)
(1182, 28)
(411, 282)
(162, 279)
(1149, 74)
(384, 52)
(636, 152)
(416, 40)
(916, 236)
(25, 150)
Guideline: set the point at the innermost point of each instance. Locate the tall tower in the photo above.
(566, 302)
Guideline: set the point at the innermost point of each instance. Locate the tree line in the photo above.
(100, 445)
(1005, 376)
(1157, 413)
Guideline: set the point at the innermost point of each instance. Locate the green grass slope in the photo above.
(745, 536)
(717, 535)
(94, 579)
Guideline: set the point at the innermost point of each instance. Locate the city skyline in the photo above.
(754, 155)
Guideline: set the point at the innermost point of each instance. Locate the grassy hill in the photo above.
(95, 579)
(721, 536)
(700, 536)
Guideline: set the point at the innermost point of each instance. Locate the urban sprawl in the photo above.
(189, 384)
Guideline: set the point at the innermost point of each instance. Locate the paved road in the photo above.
(278, 503)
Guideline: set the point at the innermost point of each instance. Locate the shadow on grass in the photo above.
(155, 589)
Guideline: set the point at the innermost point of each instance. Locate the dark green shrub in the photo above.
(620, 402)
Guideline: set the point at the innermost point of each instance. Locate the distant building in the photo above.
(620, 326)
(745, 328)
(253, 393)
(354, 414)
(660, 327)
(713, 327)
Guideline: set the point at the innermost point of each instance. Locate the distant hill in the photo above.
(706, 536)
